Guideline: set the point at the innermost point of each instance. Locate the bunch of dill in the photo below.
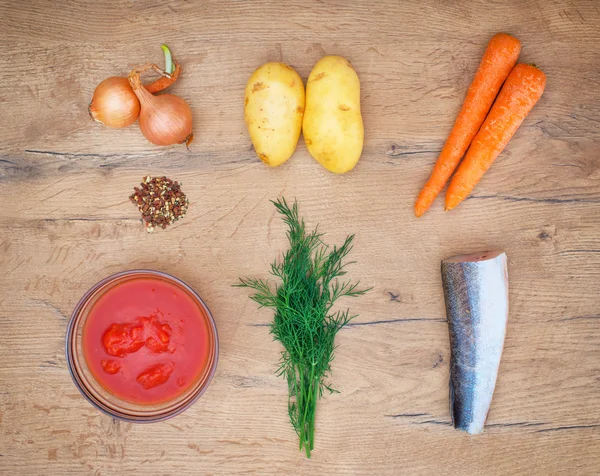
(304, 322)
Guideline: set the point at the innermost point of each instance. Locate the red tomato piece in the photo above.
(137, 333)
(155, 375)
(156, 346)
(163, 337)
(111, 366)
(122, 339)
(127, 338)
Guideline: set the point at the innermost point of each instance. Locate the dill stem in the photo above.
(299, 405)
(312, 421)
(307, 404)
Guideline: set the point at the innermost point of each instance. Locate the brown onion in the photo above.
(114, 103)
(165, 119)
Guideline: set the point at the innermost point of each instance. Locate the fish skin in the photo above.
(476, 294)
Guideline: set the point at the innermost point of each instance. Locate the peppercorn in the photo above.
(160, 201)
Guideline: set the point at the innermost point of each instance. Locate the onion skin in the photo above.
(114, 103)
(164, 81)
(165, 119)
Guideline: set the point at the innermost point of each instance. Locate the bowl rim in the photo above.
(71, 359)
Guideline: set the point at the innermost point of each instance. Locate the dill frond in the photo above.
(304, 323)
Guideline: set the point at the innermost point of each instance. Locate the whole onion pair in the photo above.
(165, 119)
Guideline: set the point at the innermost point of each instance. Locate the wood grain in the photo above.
(66, 223)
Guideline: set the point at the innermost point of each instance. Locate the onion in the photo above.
(114, 104)
(165, 119)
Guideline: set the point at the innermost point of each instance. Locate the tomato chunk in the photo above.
(121, 339)
(156, 346)
(155, 375)
(111, 366)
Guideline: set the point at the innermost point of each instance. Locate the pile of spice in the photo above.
(160, 201)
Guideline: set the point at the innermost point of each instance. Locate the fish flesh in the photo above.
(476, 293)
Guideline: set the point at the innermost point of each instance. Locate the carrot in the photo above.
(499, 58)
(164, 81)
(522, 89)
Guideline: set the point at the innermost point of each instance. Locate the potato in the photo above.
(273, 109)
(333, 127)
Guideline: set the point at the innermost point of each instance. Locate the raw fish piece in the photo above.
(476, 292)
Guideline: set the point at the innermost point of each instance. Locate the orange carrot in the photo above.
(499, 58)
(522, 89)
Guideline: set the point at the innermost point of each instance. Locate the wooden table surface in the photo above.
(66, 223)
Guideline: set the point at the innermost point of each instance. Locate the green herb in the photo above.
(304, 322)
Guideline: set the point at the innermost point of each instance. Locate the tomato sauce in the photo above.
(146, 340)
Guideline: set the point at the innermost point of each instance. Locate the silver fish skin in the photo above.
(476, 293)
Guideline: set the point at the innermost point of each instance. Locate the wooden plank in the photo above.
(66, 223)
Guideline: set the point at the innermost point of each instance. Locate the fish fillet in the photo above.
(476, 293)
